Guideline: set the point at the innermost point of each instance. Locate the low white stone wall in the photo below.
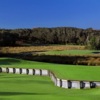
(4, 70)
(24, 71)
(11, 70)
(64, 84)
(31, 72)
(17, 71)
(58, 82)
(87, 84)
(97, 84)
(76, 84)
(45, 72)
(52, 76)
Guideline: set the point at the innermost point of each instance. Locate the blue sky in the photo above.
(49, 13)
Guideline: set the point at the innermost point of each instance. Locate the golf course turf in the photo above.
(73, 52)
(24, 87)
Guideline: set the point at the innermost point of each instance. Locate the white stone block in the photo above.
(24, 71)
(17, 70)
(30, 72)
(10, 70)
(64, 84)
(97, 84)
(4, 70)
(52, 78)
(87, 84)
(75, 84)
(45, 72)
(37, 71)
(58, 82)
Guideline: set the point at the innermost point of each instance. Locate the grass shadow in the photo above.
(97, 52)
(20, 93)
(8, 61)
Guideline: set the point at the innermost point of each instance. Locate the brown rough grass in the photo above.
(39, 48)
(26, 53)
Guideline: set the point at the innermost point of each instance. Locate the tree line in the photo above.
(46, 36)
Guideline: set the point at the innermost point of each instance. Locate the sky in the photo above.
(49, 13)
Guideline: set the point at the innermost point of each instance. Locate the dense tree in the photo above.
(40, 36)
(94, 43)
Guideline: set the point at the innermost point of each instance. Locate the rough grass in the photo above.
(24, 87)
(78, 54)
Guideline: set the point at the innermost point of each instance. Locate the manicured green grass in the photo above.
(24, 87)
(72, 52)
(61, 70)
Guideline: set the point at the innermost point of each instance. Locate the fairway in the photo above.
(19, 87)
(73, 52)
